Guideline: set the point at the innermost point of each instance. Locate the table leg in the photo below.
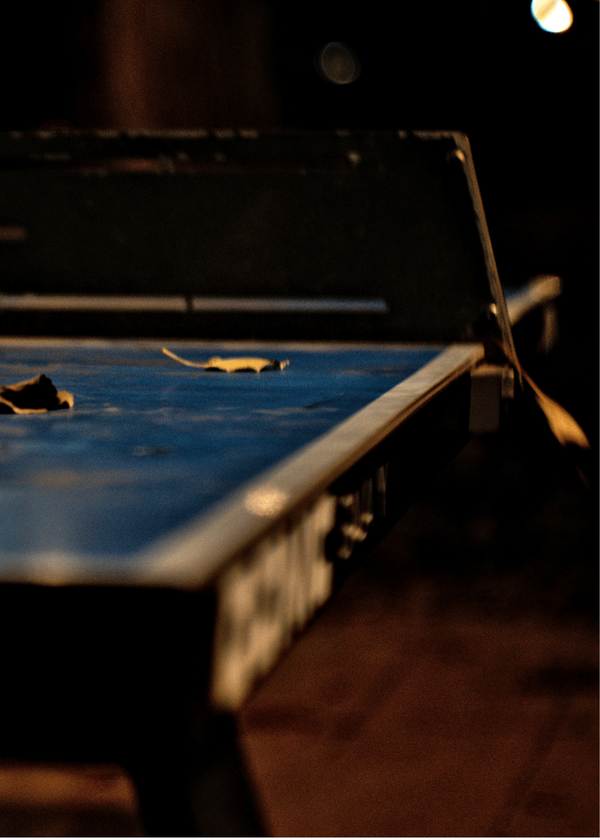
(200, 792)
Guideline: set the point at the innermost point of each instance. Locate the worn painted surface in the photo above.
(150, 444)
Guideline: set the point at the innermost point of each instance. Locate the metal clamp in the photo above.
(491, 387)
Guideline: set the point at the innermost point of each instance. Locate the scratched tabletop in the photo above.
(151, 444)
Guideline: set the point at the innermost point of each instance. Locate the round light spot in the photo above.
(338, 63)
(552, 15)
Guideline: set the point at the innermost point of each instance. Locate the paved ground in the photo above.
(451, 688)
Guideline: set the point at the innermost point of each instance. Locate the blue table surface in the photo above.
(150, 444)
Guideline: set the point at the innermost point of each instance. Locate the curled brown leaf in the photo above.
(33, 396)
(563, 425)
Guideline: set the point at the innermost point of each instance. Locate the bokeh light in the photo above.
(338, 63)
(552, 15)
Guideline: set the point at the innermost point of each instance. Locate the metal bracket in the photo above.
(491, 387)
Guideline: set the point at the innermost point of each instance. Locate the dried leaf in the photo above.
(34, 396)
(563, 425)
(249, 364)
(231, 365)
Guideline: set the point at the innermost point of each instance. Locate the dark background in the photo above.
(527, 99)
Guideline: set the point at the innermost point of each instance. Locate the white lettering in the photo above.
(264, 598)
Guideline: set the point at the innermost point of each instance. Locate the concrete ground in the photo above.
(450, 689)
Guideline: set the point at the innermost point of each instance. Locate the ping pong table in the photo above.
(162, 542)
